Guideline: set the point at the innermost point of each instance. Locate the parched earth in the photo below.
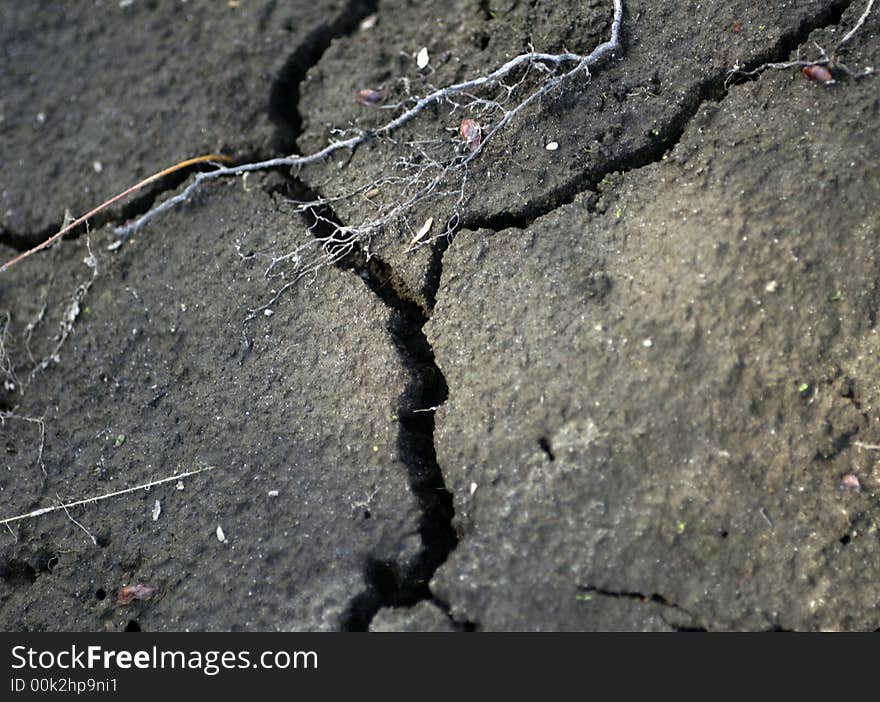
(636, 390)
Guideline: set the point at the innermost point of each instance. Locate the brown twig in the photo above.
(104, 205)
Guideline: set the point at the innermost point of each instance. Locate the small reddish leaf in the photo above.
(368, 98)
(817, 73)
(471, 133)
(129, 593)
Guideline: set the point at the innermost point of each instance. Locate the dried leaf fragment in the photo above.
(129, 593)
(426, 227)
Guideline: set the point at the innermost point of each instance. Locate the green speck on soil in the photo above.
(835, 296)
(679, 527)
(803, 387)
(120, 440)
(583, 597)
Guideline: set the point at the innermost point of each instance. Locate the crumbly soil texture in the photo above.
(635, 389)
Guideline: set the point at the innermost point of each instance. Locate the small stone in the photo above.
(552, 146)
(422, 59)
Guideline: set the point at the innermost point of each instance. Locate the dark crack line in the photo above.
(653, 598)
(285, 95)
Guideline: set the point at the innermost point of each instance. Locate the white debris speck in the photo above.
(552, 146)
(273, 493)
(473, 488)
(115, 245)
(221, 537)
(180, 485)
(771, 286)
(368, 23)
(268, 313)
(648, 343)
(157, 510)
(41, 117)
(97, 166)
(422, 58)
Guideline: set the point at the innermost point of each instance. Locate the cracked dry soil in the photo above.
(624, 396)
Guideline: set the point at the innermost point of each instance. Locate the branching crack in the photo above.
(712, 89)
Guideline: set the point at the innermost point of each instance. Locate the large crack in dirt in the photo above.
(388, 584)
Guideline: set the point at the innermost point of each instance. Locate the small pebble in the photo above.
(552, 146)
(422, 59)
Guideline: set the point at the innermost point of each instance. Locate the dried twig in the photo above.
(116, 198)
(857, 26)
(867, 447)
(98, 498)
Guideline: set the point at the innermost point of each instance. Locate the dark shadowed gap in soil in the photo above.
(387, 583)
(714, 88)
(285, 93)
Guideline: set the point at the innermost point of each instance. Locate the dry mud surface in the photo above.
(636, 390)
